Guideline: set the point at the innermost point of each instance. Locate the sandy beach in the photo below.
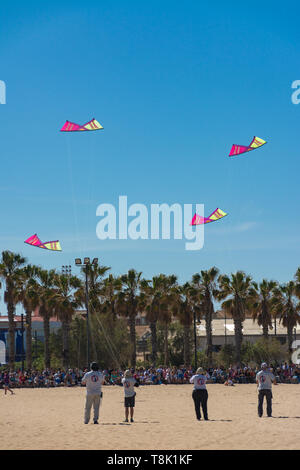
(164, 419)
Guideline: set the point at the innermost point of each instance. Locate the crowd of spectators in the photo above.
(284, 373)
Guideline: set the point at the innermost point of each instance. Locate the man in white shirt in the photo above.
(93, 381)
(200, 394)
(264, 379)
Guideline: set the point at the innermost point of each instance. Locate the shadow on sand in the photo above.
(129, 424)
(220, 420)
(286, 417)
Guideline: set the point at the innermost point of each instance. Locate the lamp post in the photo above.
(35, 344)
(195, 340)
(66, 270)
(22, 336)
(87, 263)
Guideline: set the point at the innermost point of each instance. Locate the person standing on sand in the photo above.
(129, 383)
(6, 383)
(200, 394)
(93, 381)
(264, 379)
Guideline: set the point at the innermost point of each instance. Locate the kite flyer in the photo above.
(264, 380)
(129, 383)
(200, 394)
(93, 380)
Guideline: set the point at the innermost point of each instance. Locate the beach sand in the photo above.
(164, 419)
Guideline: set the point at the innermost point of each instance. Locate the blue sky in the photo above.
(175, 85)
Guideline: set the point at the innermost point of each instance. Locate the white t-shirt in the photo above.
(94, 381)
(264, 378)
(128, 384)
(199, 381)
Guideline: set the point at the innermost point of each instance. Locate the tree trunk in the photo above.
(153, 342)
(28, 339)
(186, 345)
(290, 338)
(265, 331)
(265, 320)
(46, 323)
(238, 333)
(132, 339)
(11, 335)
(208, 327)
(65, 339)
(166, 346)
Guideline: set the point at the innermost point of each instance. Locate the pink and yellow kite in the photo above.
(35, 241)
(215, 215)
(239, 149)
(92, 125)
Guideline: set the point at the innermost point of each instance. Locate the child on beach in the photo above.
(6, 383)
(129, 383)
(229, 382)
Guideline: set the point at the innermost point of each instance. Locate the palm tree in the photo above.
(9, 271)
(261, 304)
(46, 293)
(109, 292)
(286, 306)
(128, 305)
(65, 307)
(236, 290)
(93, 275)
(206, 283)
(187, 303)
(27, 295)
(297, 283)
(153, 298)
(168, 309)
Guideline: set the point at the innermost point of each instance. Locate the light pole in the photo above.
(22, 335)
(35, 343)
(87, 263)
(195, 340)
(66, 270)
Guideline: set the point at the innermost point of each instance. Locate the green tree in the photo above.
(128, 305)
(64, 307)
(46, 294)
(27, 295)
(167, 310)
(109, 292)
(286, 306)
(10, 267)
(206, 283)
(236, 290)
(154, 300)
(186, 305)
(261, 304)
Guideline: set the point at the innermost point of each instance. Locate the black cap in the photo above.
(94, 366)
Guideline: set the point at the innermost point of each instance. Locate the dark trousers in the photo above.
(268, 395)
(200, 398)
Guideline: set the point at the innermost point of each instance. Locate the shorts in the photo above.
(129, 402)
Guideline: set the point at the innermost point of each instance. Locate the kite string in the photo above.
(79, 244)
(90, 185)
(110, 343)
